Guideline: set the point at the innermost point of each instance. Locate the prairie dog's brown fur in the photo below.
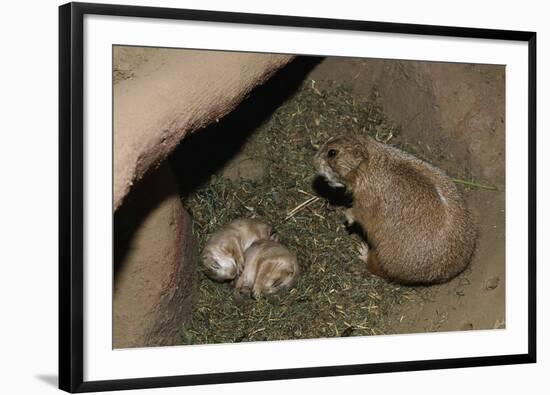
(419, 230)
(223, 255)
(269, 268)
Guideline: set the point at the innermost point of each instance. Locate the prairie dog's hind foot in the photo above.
(350, 219)
(368, 255)
(242, 293)
(353, 226)
(364, 250)
(244, 283)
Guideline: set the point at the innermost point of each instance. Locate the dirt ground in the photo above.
(453, 114)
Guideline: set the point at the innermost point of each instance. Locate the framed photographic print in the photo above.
(251, 197)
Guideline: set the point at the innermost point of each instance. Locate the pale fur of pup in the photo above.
(223, 255)
(269, 268)
(419, 230)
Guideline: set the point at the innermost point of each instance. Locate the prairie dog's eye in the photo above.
(332, 153)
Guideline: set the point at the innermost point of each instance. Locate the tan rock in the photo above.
(155, 265)
(161, 95)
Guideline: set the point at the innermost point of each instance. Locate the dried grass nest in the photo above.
(334, 295)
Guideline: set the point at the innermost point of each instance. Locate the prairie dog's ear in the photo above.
(352, 158)
(274, 236)
(360, 151)
(352, 175)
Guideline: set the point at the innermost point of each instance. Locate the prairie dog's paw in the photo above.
(256, 293)
(242, 291)
(363, 250)
(274, 236)
(350, 219)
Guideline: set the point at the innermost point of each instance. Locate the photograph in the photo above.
(263, 197)
(256, 197)
(275, 197)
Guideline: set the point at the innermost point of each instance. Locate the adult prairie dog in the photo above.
(269, 268)
(223, 255)
(419, 230)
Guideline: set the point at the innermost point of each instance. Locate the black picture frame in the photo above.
(71, 224)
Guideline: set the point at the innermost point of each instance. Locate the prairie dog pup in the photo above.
(223, 255)
(269, 268)
(419, 230)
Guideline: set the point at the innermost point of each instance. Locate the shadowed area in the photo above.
(207, 151)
